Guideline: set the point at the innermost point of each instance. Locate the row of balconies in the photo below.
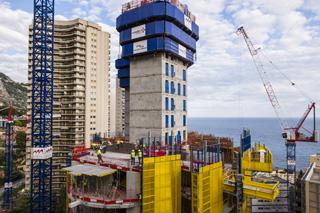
(67, 46)
(76, 63)
(77, 51)
(64, 71)
(57, 39)
(70, 58)
(70, 34)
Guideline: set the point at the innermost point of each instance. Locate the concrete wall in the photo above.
(147, 97)
(133, 188)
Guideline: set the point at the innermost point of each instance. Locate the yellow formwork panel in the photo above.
(162, 184)
(245, 208)
(257, 158)
(254, 189)
(207, 189)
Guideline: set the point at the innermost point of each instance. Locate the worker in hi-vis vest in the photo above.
(118, 144)
(140, 156)
(132, 156)
(99, 155)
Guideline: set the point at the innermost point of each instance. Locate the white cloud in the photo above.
(14, 41)
(223, 82)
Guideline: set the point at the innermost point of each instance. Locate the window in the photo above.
(184, 75)
(167, 121)
(167, 86)
(179, 89)
(166, 138)
(184, 90)
(167, 69)
(172, 87)
(184, 120)
(184, 105)
(172, 71)
(172, 104)
(167, 103)
(172, 120)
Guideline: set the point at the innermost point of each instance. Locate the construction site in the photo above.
(156, 165)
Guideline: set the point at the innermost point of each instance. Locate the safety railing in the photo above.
(138, 3)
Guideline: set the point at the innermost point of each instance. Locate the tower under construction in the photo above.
(158, 40)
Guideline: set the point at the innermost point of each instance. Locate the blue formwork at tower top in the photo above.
(150, 26)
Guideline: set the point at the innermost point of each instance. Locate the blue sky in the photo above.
(223, 82)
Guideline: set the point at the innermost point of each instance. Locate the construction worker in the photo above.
(99, 155)
(140, 156)
(132, 156)
(118, 144)
(84, 184)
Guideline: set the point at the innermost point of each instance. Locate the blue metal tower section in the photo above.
(7, 197)
(151, 26)
(42, 106)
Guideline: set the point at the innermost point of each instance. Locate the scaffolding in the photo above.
(99, 187)
(139, 3)
(240, 183)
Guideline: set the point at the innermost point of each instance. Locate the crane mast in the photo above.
(42, 106)
(7, 197)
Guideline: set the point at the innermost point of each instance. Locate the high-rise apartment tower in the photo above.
(120, 109)
(81, 90)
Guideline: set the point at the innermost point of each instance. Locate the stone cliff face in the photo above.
(13, 91)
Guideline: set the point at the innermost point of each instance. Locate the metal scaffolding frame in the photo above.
(42, 106)
(7, 197)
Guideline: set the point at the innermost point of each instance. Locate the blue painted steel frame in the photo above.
(291, 170)
(155, 11)
(7, 197)
(42, 104)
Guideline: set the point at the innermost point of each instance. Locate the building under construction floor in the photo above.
(188, 178)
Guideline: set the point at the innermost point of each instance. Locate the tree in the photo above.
(21, 138)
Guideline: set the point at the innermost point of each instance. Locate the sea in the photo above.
(263, 130)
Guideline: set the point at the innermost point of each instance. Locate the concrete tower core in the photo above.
(158, 40)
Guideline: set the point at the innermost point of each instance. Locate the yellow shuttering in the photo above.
(162, 184)
(255, 189)
(257, 158)
(207, 189)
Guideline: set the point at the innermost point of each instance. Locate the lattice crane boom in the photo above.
(263, 76)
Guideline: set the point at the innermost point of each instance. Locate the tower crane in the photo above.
(291, 135)
(42, 106)
(7, 197)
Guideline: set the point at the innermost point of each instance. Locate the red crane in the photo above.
(298, 133)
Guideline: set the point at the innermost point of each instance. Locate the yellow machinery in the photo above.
(161, 184)
(207, 189)
(257, 158)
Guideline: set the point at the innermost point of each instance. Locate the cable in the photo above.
(293, 84)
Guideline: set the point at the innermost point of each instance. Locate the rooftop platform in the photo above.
(112, 160)
(89, 170)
